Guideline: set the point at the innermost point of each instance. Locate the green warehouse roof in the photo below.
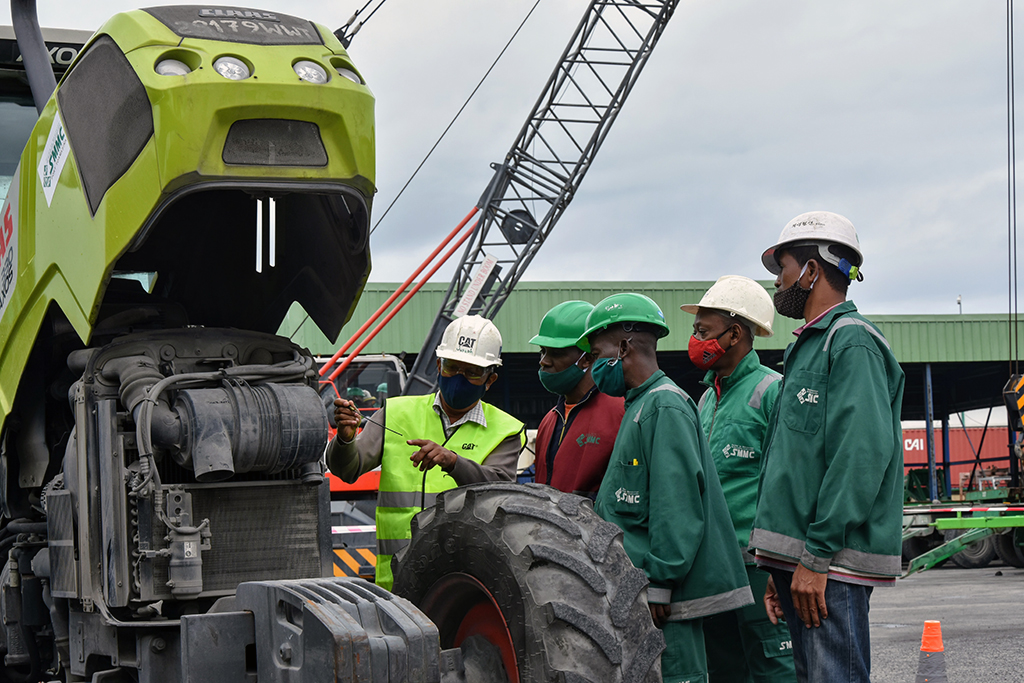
(914, 338)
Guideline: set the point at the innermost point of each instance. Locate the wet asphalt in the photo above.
(982, 616)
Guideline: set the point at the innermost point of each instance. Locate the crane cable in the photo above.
(464, 105)
(457, 114)
(343, 33)
(1011, 232)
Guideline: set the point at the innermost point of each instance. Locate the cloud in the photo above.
(748, 113)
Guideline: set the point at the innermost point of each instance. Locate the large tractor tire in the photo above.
(536, 576)
(974, 556)
(1007, 548)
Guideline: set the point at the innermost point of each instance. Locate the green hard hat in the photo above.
(562, 326)
(626, 307)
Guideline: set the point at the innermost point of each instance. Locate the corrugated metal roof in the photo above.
(914, 338)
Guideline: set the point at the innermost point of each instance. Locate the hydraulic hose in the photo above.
(33, 51)
(22, 526)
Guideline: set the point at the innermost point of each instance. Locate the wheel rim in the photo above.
(460, 606)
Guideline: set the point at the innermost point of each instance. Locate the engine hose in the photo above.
(25, 527)
(58, 608)
(34, 672)
(146, 467)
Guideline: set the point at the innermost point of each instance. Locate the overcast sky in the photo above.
(749, 112)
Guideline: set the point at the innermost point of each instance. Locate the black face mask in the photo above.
(791, 301)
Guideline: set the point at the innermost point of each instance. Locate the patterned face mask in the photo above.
(791, 301)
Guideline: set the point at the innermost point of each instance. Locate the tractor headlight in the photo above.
(311, 72)
(350, 75)
(232, 68)
(172, 67)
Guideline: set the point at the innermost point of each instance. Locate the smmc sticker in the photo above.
(55, 153)
(9, 245)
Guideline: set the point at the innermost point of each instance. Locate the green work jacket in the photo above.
(403, 490)
(662, 490)
(736, 424)
(831, 492)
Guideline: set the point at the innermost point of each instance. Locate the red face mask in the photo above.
(705, 353)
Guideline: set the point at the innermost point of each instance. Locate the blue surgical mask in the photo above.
(458, 392)
(609, 375)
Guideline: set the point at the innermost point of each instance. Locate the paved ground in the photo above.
(982, 615)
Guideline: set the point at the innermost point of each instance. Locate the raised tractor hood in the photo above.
(214, 161)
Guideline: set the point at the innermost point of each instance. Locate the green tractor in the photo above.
(165, 516)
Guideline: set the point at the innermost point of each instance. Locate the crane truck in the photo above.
(165, 515)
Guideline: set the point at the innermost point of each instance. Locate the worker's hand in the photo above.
(431, 454)
(772, 603)
(347, 419)
(659, 613)
(808, 590)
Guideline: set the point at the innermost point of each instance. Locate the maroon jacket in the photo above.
(573, 457)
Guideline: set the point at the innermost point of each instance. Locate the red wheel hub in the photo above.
(460, 606)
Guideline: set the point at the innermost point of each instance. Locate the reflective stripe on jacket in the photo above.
(736, 424)
(403, 490)
(662, 490)
(831, 491)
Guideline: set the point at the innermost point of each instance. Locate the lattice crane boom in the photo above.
(532, 187)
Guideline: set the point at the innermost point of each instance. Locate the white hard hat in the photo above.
(820, 229)
(471, 339)
(740, 296)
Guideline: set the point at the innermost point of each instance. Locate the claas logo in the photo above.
(7, 233)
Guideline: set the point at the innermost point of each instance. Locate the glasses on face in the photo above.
(474, 373)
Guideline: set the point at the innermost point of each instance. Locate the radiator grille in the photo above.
(259, 533)
(60, 536)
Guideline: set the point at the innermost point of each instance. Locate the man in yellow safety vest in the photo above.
(428, 444)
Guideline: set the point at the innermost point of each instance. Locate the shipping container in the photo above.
(991, 472)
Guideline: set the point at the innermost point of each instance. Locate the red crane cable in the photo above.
(405, 300)
(390, 300)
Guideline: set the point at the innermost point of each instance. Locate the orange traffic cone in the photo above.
(931, 667)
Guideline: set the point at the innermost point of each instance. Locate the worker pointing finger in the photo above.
(431, 454)
(486, 448)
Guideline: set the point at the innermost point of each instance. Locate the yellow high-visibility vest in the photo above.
(402, 490)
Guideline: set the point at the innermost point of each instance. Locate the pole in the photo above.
(945, 454)
(933, 492)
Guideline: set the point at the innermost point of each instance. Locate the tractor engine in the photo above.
(183, 439)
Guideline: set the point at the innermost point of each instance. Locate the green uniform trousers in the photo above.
(744, 647)
(684, 660)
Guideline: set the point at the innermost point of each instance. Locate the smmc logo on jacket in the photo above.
(806, 395)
